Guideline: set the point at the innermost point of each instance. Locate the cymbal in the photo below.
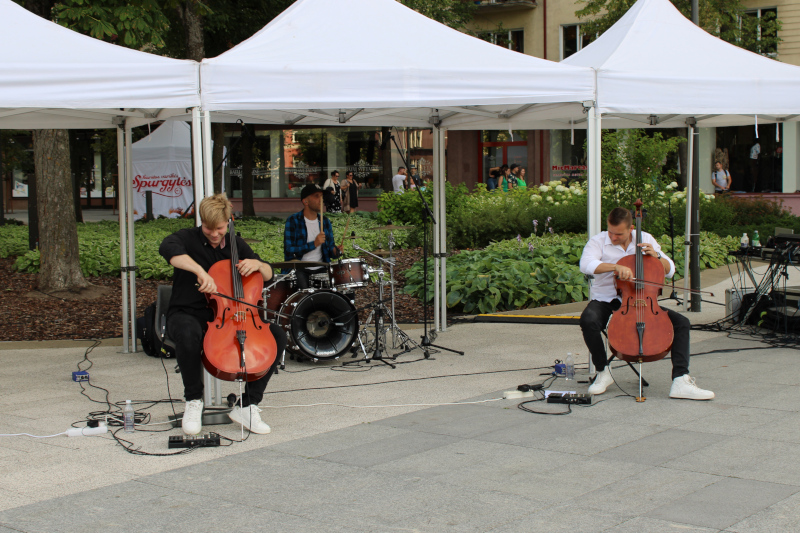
(298, 264)
(390, 227)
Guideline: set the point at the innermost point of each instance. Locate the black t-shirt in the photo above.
(185, 295)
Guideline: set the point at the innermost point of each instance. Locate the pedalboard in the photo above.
(194, 441)
(569, 397)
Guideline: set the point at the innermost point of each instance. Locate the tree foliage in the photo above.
(454, 13)
(132, 23)
(727, 19)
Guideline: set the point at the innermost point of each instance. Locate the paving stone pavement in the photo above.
(728, 465)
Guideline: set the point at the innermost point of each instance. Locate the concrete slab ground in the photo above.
(429, 446)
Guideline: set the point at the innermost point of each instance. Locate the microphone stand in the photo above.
(673, 295)
(426, 212)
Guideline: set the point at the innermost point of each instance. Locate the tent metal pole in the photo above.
(197, 159)
(123, 234)
(131, 237)
(208, 157)
(687, 242)
(437, 293)
(594, 181)
(443, 229)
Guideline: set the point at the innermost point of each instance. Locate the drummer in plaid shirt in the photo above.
(302, 240)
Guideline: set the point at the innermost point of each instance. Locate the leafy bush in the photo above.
(509, 275)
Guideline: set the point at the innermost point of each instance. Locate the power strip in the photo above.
(194, 441)
(515, 394)
(569, 397)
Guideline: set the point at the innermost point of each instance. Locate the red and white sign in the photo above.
(162, 164)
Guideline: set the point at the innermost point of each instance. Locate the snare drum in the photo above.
(349, 274)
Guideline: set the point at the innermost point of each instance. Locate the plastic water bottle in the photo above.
(745, 242)
(756, 239)
(127, 417)
(569, 362)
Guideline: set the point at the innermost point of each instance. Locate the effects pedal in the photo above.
(569, 398)
(194, 441)
(81, 375)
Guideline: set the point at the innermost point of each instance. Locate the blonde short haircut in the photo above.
(214, 210)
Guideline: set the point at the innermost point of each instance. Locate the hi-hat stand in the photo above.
(380, 313)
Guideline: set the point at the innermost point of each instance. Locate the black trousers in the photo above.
(594, 320)
(187, 332)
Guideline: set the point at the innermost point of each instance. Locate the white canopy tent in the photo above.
(656, 68)
(162, 165)
(654, 61)
(53, 77)
(399, 69)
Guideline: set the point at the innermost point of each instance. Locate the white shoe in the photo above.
(684, 387)
(192, 421)
(249, 417)
(601, 382)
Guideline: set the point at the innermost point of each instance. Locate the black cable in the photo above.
(409, 379)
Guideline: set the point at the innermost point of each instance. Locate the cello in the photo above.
(238, 346)
(640, 331)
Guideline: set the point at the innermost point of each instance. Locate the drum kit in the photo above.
(322, 322)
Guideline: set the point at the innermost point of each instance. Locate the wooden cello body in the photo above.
(237, 345)
(640, 331)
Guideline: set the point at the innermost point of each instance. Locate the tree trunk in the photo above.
(386, 159)
(248, 209)
(218, 136)
(193, 27)
(60, 267)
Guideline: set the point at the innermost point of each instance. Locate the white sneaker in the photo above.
(601, 382)
(684, 387)
(192, 421)
(250, 418)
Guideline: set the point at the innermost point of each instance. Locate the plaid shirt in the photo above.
(295, 239)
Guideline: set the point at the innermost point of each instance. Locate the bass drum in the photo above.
(320, 324)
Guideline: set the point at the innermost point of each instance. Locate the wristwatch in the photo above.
(658, 255)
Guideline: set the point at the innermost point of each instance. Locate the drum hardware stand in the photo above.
(406, 342)
(427, 340)
(379, 355)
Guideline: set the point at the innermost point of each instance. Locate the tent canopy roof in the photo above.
(54, 77)
(171, 141)
(655, 61)
(395, 70)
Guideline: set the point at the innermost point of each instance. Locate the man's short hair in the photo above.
(214, 210)
(618, 215)
(400, 168)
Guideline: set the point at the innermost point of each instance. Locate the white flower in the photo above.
(557, 203)
(535, 198)
(578, 192)
(560, 188)
(549, 198)
(710, 196)
(672, 185)
(544, 188)
(661, 193)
